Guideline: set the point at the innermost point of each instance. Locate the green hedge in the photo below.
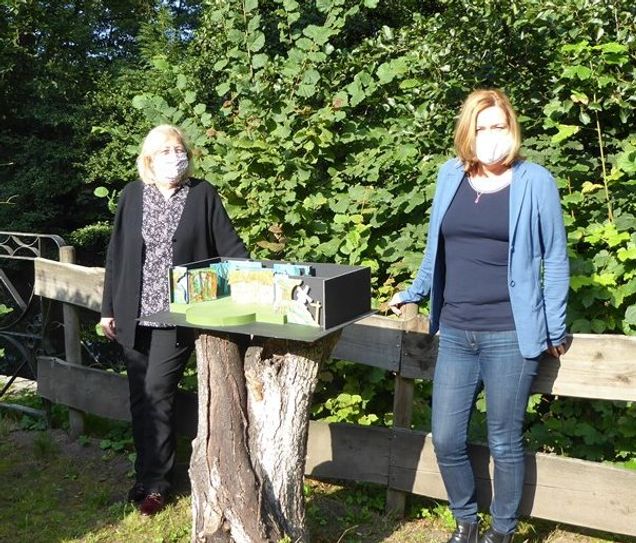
(324, 125)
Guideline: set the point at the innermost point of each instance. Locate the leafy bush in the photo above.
(324, 125)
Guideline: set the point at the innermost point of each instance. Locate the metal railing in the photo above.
(23, 328)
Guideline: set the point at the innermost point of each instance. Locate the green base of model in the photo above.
(226, 312)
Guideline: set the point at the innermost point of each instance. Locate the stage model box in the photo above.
(301, 301)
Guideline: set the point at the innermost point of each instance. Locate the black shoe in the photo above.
(137, 493)
(466, 532)
(493, 536)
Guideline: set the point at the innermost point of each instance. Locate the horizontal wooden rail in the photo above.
(556, 488)
(102, 393)
(596, 366)
(70, 283)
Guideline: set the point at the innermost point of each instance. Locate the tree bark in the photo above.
(248, 457)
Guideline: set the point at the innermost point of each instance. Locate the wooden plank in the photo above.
(402, 415)
(103, 393)
(590, 494)
(596, 366)
(560, 489)
(72, 341)
(380, 321)
(94, 391)
(415, 468)
(419, 351)
(374, 341)
(347, 451)
(72, 344)
(69, 283)
(402, 408)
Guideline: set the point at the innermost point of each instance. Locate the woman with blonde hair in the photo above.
(165, 219)
(496, 272)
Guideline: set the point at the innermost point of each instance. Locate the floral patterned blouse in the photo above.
(159, 222)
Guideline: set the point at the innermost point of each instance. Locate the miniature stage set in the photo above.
(301, 301)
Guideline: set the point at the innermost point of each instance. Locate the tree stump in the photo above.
(248, 458)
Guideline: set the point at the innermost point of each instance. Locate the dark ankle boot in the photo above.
(493, 536)
(466, 532)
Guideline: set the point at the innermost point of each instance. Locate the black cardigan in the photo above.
(204, 231)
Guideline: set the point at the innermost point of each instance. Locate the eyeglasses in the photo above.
(166, 151)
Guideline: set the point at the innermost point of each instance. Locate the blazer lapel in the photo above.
(451, 184)
(518, 189)
(134, 218)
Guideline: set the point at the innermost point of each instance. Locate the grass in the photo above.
(53, 490)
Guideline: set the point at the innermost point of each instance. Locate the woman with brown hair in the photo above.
(496, 272)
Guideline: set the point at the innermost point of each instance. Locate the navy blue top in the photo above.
(475, 243)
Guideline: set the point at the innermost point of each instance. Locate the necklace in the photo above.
(489, 185)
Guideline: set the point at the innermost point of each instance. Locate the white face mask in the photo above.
(168, 169)
(492, 147)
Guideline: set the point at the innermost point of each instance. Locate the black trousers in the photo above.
(155, 367)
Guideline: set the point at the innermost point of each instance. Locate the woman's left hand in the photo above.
(557, 350)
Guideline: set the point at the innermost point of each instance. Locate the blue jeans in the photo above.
(465, 361)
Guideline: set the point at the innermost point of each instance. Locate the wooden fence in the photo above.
(577, 492)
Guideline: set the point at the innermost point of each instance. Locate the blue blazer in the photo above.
(538, 269)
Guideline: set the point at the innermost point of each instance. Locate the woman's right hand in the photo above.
(395, 303)
(108, 326)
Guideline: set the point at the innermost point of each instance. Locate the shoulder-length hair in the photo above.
(465, 129)
(153, 142)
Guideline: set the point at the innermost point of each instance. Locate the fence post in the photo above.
(402, 411)
(72, 344)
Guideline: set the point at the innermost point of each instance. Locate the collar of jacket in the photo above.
(518, 190)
